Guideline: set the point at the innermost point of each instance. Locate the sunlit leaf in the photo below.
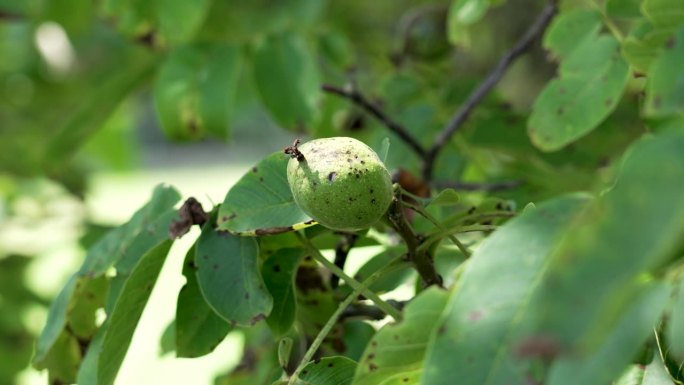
(261, 201)
(123, 321)
(484, 313)
(396, 352)
(194, 90)
(327, 371)
(571, 30)
(229, 277)
(630, 231)
(198, 329)
(590, 84)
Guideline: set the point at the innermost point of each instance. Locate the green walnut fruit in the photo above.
(339, 182)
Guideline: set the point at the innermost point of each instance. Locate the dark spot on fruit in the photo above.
(372, 367)
(358, 176)
(356, 157)
(348, 152)
(276, 268)
(405, 379)
(349, 160)
(371, 191)
(363, 162)
(373, 201)
(332, 176)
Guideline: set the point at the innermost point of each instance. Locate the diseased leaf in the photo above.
(328, 371)
(198, 329)
(279, 272)
(286, 79)
(125, 316)
(194, 90)
(89, 296)
(620, 344)
(63, 358)
(229, 277)
(665, 90)
(397, 350)
(590, 84)
(476, 330)
(571, 30)
(261, 200)
(629, 232)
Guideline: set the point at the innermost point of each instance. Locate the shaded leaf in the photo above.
(229, 277)
(357, 335)
(397, 350)
(124, 318)
(643, 45)
(63, 359)
(194, 90)
(665, 90)
(656, 373)
(388, 281)
(159, 22)
(198, 329)
(167, 343)
(675, 328)
(89, 296)
(484, 313)
(621, 342)
(261, 200)
(590, 84)
(286, 79)
(278, 272)
(327, 371)
(631, 230)
(623, 9)
(667, 14)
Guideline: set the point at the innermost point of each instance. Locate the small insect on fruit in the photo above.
(340, 182)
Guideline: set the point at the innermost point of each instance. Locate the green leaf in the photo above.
(56, 321)
(384, 149)
(229, 277)
(167, 342)
(123, 320)
(665, 90)
(63, 359)
(388, 281)
(357, 335)
(112, 247)
(446, 197)
(675, 328)
(279, 273)
(643, 45)
(590, 84)
(93, 113)
(623, 9)
(198, 328)
(397, 350)
(162, 22)
(89, 296)
(628, 233)
(621, 343)
(87, 372)
(656, 373)
(286, 78)
(484, 313)
(667, 14)
(261, 201)
(328, 371)
(195, 89)
(463, 13)
(571, 30)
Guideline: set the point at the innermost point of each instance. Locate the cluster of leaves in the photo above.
(580, 288)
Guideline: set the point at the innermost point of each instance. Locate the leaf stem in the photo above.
(420, 210)
(360, 289)
(354, 284)
(455, 230)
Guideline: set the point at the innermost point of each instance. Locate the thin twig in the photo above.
(488, 187)
(359, 99)
(354, 284)
(525, 42)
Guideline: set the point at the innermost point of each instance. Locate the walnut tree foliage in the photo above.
(537, 218)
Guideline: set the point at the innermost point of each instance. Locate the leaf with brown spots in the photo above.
(328, 371)
(396, 352)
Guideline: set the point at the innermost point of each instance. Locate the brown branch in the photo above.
(536, 29)
(359, 99)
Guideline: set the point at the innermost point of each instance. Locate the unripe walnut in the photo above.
(340, 182)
